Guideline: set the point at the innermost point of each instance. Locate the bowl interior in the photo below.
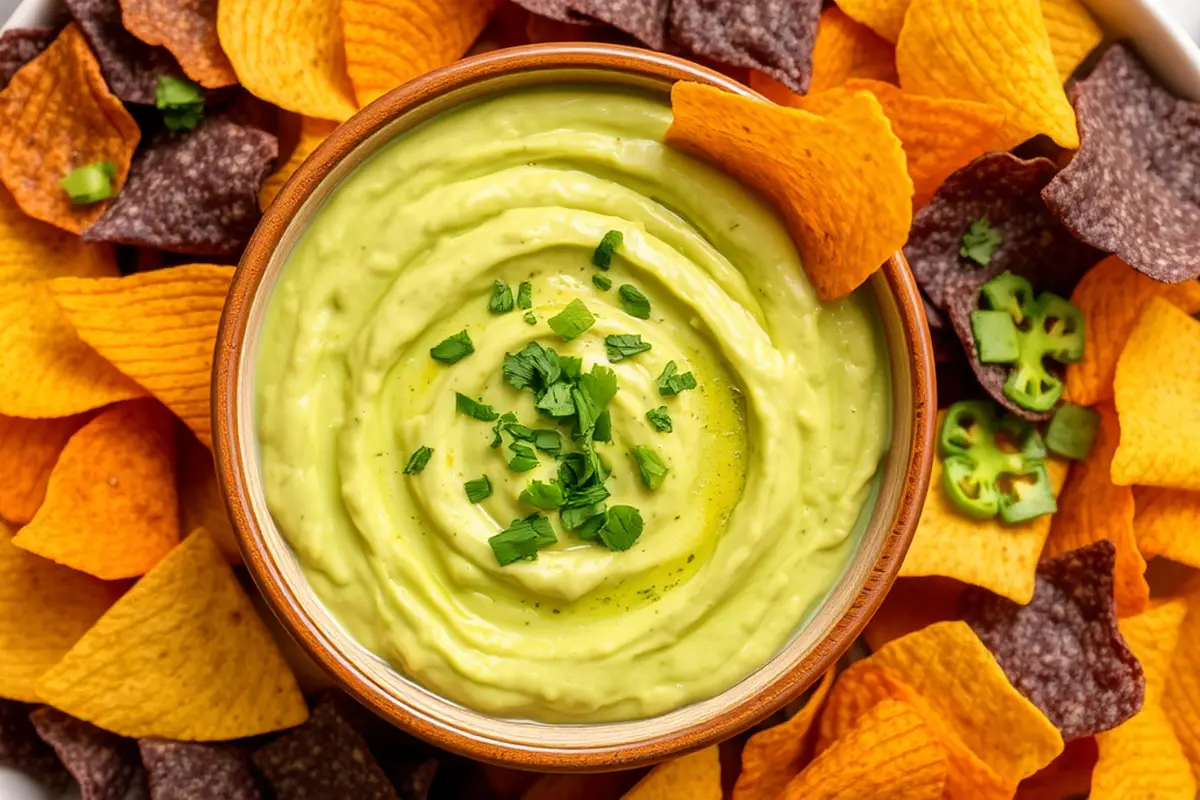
(815, 647)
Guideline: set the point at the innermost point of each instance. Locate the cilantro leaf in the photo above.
(602, 258)
(525, 295)
(556, 401)
(571, 367)
(479, 489)
(522, 459)
(90, 183)
(634, 302)
(474, 408)
(502, 298)
(980, 241)
(547, 441)
(602, 282)
(181, 101)
(660, 418)
(653, 470)
(506, 419)
(575, 516)
(603, 430)
(622, 527)
(671, 383)
(522, 539)
(572, 320)
(589, 531)
(546, 496)
(418, 460)
(453, 349)
(534, 367)
(624, 346)
(529, 318)
(600, 384)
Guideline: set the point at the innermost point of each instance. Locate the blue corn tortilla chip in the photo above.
(1134, 186)
(131, 67)
(19, 46)
(644, 20)
(772, 36)
(1063, 651)
(198, 771)
(193, 192)
(23, 750)
(104, 764)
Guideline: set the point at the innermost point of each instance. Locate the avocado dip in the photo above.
(452, 326)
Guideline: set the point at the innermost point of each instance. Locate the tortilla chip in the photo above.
(1131, 190)
(644, 20)
(912, 604)
(391, 43)
(34, 251)
(987, 553)
(110, 507)
(696, 776)
(846, 221)
(44, 609)
(771, 758)
(1112, 297)
(844, 50)
(1073, 34)
(1064, 651)
(1091, 508)
(201, 504)
(1166, 522)
(29, 449)
(103, 764)
(312, 133)
(1181, 697)
(23, 750)
(1157, 390)
(159, 328)
(57, 114)
(187, 28)
(891, 754)
(131, 67)
(771, 36)
(19, 46)
(198, 771)
(991, 51)
(1069, 775)
(885, 17)
(205, 664)
(289, 54)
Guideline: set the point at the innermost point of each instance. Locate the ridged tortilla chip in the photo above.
(34, 251)
(131, 67)
(29, 448)
(885, 17)
(846, 221)
(987, 553)
(1157, 390)
(844, 50)
(110, 507)
(198, 771)
(1112, 296)
(159, 328)
(44, 610)
(390, 43)
(991, 51)
(912, 604)
(1166, 523)
(289, 54)
(1181, 697)
(201, 504)
(188, 28)
(890, 754)
(312, 132)
(103, 764)
(182, 655)
(1069, 775)
(57, 114)
(1073, 33)
(696, 776)
(19, 46)
(1091, 507)
(771, 758)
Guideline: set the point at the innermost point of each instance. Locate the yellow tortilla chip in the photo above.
(985, 553)
(1153, 637)
(159, 328)
(1181, 697)
(1091, 507)
(182, 655)
(1166, 522)
(1112, 297)
(891, 754)
(771, 758)
(990, 51)
(1073, 33)
(29, 449)
(201, 504)
(44, 609)
(696, 776)
(884, 17)
(289, 54)
(34, 251)
(390, 43)
(312, 133)
(110, 507)
(912, 604)
(846, 220)
(1157, 391)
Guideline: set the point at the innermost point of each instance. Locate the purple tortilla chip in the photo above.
(644, 20)
(772, 36)
(19, 46)
(22, 749)
(413, 781)
(325, 757)
(102, 763)
(198, 771)
(130, 66)
(1134, 186)
(193, 192)
(1063, 651)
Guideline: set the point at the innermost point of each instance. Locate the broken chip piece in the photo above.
(130, 66)
(103, 764)
(1063, 650)
(198, 771)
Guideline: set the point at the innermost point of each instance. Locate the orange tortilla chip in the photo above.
(289, 54)
(985, 553)
(389, 43)
(58, 114)
(891, 754)
(159, 328)
(912, 604)
(201, 504)
(188, 28)
(1166, 522)
(1073, 33)
(33, 251)
(1157, 390)
(44, 609)
(990, 51)
(182, 655)
(696, 776)
(312, 133)
(846, 220)
(1091, 508)
(1181, 697)
(110, 507)
(885, 17)
(771, 758)
(1112, 297)
(29, 449)
(843, 50)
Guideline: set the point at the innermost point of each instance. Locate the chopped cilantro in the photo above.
(479, 489)
(572, 320)
(522, 539)
(181, 101)
(418, 460)
(535, 367)
(90, 183)
(556, 401)
(453, 349)
(624, 346)
(502, 298)
(522, 459)
(602, 258)
(575, 516)
(671, 382)
(546, 496)
(547, 441)
(589, 531)
(602, 282)
(634, 302)
(622, 527)
(653, 470)
(587, 497)
(603, 429)
(660, 418)
(529, 318)
(525, 295)
(980, 242)
(600, 384)
(506, 419)
(571, 367)
(474, 408)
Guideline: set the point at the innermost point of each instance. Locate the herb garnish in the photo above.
(602, 282)
(624, 345)
(622, 527)
(980, 241)
(522, 459)
(474, 408)
(525, 295)
(572, 320)
(546, 496)
(529, 318)
(418, 460)
(479, 489)
(653, 470)
(671, 382)
(602, 258)
(90, 183)
(181, 101)
(522, 539)
(660, 418)
(453, 349)
(634, 302)
(502, 298)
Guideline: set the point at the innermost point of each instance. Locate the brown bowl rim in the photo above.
(281, 598)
